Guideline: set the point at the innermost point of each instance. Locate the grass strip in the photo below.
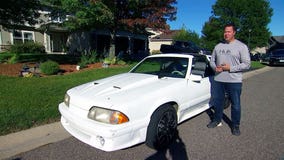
(29, 102)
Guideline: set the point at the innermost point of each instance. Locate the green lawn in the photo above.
(256, 65)
(29, 102)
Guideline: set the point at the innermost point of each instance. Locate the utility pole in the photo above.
(249, 39)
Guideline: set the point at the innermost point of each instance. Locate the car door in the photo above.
(197, 91)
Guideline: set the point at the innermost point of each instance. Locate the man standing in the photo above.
(228, 60)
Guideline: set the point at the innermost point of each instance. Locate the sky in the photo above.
(194, 13)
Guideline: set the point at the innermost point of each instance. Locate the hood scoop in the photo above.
(116, 87)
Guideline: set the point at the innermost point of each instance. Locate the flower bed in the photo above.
(15, 69)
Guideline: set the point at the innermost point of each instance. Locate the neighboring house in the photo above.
(159, 38)
(60, 40)
(276, 42)
(46, 32)
(135, 45)
(260, 50)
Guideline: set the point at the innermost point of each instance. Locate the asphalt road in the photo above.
(262, 132)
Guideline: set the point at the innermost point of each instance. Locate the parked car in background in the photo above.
(183, 47)
(144, 105)
(275, 57)
(255, 57)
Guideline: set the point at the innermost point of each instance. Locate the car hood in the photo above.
(118, 90)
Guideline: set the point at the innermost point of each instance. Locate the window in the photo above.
(22, 36)
(163, 67)
(28, 36)
(200, 66)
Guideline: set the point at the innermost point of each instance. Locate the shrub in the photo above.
(28, 47)
(110, 60)
(14, 59)
(4, 57)
(121, 62)
(84, 61)
(82, 64)
(49, 67)
(88, 59)
(94, 57)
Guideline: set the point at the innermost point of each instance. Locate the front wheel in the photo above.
(162, 128)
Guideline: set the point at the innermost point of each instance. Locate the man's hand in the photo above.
(219, 69)
(225, 67)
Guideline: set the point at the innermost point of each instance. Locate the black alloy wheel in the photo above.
(162, 129)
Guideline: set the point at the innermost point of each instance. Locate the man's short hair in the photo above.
(231, 25)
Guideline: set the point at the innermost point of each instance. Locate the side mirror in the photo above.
(195, 78)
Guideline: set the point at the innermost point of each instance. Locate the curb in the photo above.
(26, 140)
(249, 74)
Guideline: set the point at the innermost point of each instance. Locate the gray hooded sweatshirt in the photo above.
(237, 55)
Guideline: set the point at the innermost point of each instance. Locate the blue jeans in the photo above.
(234, 91)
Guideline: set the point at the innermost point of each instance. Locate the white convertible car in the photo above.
(144, 105)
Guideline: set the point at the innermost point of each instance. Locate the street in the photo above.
(262, 132)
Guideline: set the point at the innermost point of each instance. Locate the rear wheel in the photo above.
(162, 128)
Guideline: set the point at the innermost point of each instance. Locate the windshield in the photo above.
(163, 67)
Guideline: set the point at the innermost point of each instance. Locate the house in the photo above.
(60, 40)
(46, 32)
(134, 45)
(159, 38)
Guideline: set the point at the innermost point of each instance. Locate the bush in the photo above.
(88, 59)
(4, 57)
(49, 67)
(109, 60)
(14, 59)
(121, 62)
(28, 47)
(94, 57)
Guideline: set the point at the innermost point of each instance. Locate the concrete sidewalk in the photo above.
(23, 141)
(26, 140)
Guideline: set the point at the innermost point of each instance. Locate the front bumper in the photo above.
(105, 137)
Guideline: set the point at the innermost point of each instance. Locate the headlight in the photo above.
(107, 116)
(67, 100)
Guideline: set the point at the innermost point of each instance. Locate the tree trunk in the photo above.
(112, 45)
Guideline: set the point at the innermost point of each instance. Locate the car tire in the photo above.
(162, 129)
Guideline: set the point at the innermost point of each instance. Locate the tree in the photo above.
(19, 12)
(212, 33)
(132, 15)
(80, 14)
(138, 15)
(187, 35)
(251, 18)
